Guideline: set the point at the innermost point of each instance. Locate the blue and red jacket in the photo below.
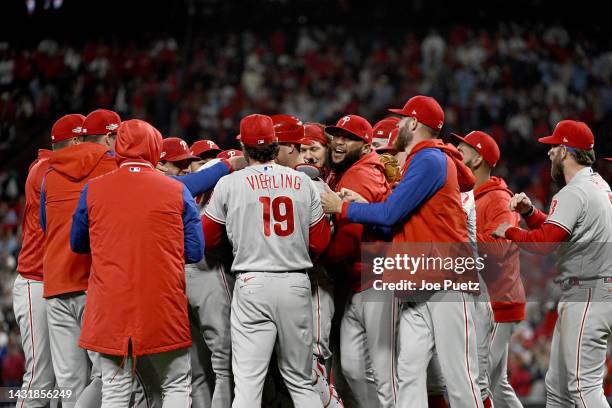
(425, 207)
(141, 227)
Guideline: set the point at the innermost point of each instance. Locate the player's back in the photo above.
(588, 252)
(269, 210)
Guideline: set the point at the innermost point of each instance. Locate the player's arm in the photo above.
(202, 181)
(319, 232)
(319, 235)
(213, 220)
(79, 231)
(566, 208)
(213, 231)
(192, 229)
(425, 175)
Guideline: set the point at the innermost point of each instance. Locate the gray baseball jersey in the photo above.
(584, 210)
(259, 206)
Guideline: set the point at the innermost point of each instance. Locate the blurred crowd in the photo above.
(513, 81)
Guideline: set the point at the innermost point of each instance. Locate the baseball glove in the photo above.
(393, 172)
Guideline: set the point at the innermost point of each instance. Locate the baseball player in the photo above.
(272, 217)
(229, 153)
(176, 156)
(28, 302)
(381, 131)
(433, 178)
(290, 135)
(139, 240)
(315, 148)
(66, 273)
(205, 150)
(367, 330)
(579, 227)
(502, 275)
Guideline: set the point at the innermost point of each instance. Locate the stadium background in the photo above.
(193, 68)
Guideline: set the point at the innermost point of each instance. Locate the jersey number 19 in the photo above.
(282, 215)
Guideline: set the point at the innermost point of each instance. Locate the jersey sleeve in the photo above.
(216, 209)
(316, 212)
(192, 227)
(566, 208)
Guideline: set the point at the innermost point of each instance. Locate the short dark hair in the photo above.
(261, 154)
(583, 157)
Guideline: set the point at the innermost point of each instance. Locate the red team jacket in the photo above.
(70, 169)
(502, 267)
(141, 228)
(367, 178)
(30, 264)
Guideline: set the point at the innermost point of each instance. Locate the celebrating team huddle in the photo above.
(148, 266)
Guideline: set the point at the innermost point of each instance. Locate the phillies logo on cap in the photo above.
(162, 155)
(211, 144)
(344, 120)
(231, 153)
(112, 126)
(184, 145)
(440, 125)
(77, 129)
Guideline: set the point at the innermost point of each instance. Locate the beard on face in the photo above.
(556, 169)
(350, 158)
(403, 139)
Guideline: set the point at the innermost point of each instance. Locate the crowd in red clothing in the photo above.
(514, 82)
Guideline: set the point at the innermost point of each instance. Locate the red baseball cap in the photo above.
(288, 128)
(67, 127)
(314, 132)
(484, 144)
(204, 146)
(256, 130)
(571, 133)
(228, 154)
(353, 124)
(425, 109)
(101, 122)
(382, 129)
(175, 149)
(389, 146)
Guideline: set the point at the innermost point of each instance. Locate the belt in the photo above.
(571, 282)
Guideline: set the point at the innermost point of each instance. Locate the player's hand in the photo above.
(500, 232)
(237, 163)
(520, 203)
(331, 201)
(162, 168)
(351, 196)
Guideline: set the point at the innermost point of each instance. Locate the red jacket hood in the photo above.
(464, 174)
(77, 162)
(138, 140)
(493, 184)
